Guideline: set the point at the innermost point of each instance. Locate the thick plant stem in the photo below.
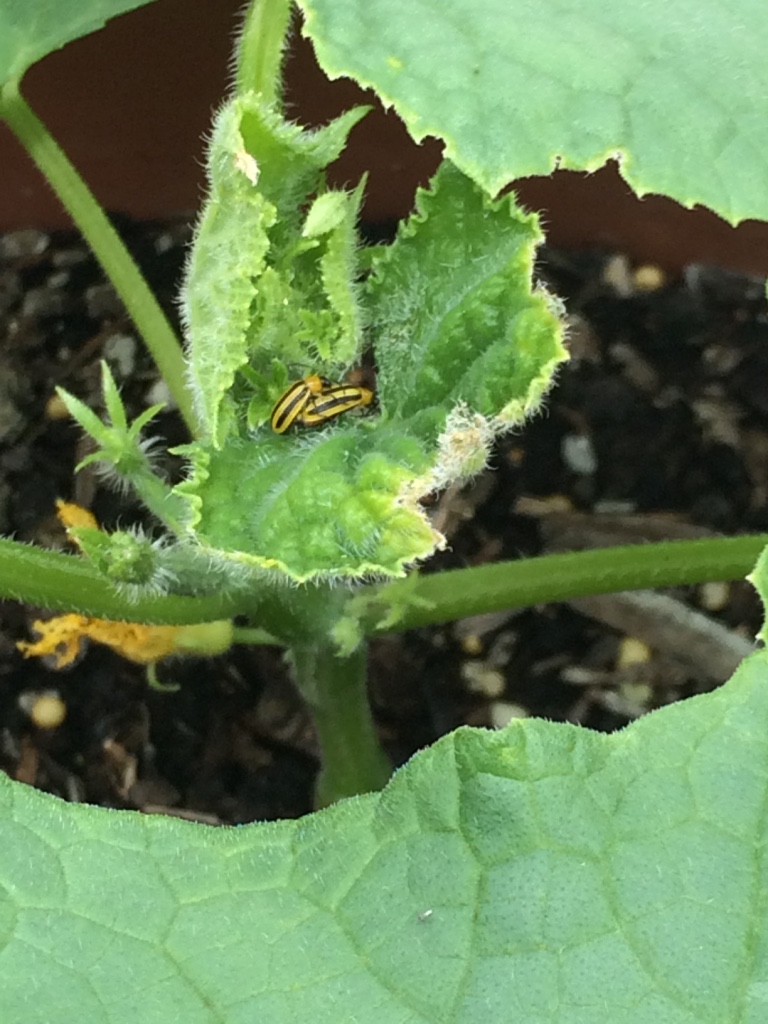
(260, 48)
(106, 244)
(458, 593)
(352, 760)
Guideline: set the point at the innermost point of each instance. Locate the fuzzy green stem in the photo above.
(260, 48)
(106, 244)
(69, 583)
(459, 593)
(158, 497)
(352, 760)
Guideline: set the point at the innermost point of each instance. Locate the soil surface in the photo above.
(657, 428)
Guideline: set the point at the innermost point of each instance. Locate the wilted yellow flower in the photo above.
(62, 636)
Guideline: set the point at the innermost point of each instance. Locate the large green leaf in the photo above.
(678, 90)
(543, 873)
(29, 29)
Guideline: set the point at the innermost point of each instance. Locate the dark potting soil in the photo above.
(658, 428)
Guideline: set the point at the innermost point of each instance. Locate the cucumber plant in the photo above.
(302, 509)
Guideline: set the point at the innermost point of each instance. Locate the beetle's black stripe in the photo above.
(332, 403)
(289, 407)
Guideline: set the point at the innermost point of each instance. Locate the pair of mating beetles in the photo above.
(316, 400)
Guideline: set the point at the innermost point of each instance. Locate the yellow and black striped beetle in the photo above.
(290, 405)
(333, 401)
(316, 400)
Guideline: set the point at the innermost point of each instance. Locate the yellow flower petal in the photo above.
(63, 635)
(60, 637)
(74, 515)
(136, 642)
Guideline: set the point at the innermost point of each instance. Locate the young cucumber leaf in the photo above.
(464, 350)
(327, 504)
(678, 91)
(452, 312)
(540, 873)
(32, 28)
(254, 283)
(124, 453)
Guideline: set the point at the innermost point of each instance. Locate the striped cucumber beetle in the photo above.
(331, 402)
(290, 405)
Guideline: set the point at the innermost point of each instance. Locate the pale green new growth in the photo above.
(128, 559)
(253, 289)
(228, 256)
(124, 453)
(463, 347)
